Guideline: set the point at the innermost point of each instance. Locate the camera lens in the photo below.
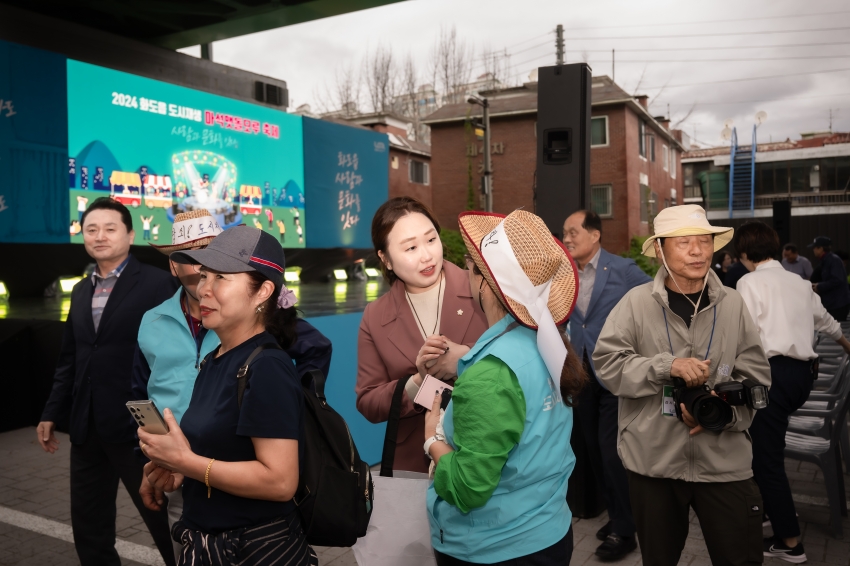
(713, 413)
(132, 410)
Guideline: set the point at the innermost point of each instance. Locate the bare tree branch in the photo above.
(686, 116)
(451, 64)
(640, 81)
(379, 72)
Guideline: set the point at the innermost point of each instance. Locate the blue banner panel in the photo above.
(342, 331)
(346, 178)
(33, 146)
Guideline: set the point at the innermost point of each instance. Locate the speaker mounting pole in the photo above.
(488, 171)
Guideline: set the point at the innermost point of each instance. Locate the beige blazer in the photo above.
(387, 346)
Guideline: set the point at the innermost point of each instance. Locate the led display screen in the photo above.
(162, 149)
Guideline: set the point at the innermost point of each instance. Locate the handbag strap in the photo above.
(242, 374)
(388, 455)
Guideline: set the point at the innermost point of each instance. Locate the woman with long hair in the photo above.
(501, 448)
(423, 325)
(238, 458)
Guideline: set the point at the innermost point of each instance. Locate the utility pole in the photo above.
(559, 45)
(613, 73)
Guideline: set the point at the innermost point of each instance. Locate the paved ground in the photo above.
(35, 516)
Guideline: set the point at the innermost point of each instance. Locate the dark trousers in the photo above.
(597, 411)
(559, 554)
(729, 514)
(96, 467)
(791, 383)
(840, 314)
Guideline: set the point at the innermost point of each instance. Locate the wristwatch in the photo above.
(432, 440)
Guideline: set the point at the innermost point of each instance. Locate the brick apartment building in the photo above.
(635, 160)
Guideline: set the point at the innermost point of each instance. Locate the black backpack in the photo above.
(335, 491)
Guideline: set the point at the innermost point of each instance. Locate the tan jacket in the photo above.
(633, 359)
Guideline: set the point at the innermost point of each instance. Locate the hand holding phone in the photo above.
(429, 389)
(148, 416)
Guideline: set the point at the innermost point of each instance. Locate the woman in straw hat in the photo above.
(685, 325)
(502, 448)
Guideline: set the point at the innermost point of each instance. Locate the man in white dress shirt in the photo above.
(787, 313)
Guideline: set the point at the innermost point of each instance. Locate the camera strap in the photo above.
(710, 338)
(668, 403)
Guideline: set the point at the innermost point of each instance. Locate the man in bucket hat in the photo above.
(685, 329)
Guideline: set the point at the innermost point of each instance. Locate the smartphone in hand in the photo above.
(429, 389)
(148, 416)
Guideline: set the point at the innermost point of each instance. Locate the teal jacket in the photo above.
(528, 510)
(165, 341)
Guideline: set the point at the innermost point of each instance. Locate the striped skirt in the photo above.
(280, 543)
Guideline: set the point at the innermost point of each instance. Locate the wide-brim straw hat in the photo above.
(541, 256)
(686, 220)
(198, 233)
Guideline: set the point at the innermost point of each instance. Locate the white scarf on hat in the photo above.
(514, 283)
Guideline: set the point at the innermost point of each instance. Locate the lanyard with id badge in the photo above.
(668, 403)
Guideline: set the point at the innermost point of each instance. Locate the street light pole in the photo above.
(488, 172)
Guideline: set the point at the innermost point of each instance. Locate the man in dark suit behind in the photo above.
(92, 383)
(604, 279)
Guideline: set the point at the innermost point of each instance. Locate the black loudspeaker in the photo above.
(782, 220)
(563, 143)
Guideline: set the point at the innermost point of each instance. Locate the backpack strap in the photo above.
(388, 455)
(242, 374)
(317, 378)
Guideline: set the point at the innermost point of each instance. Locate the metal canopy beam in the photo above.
(263, 18)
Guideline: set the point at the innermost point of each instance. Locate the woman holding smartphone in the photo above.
(502, 446)
(424, 324)
(239, 467)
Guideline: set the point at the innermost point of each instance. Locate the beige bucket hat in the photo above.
(685, 220)
(190, 229)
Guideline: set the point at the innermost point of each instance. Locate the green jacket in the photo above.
(633, 360)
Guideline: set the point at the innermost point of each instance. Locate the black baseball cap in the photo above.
(820, 242)
(238, 250)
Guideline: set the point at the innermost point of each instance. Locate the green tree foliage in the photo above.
(453, 246)
(647, 264)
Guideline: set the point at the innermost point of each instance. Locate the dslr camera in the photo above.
(715, 412)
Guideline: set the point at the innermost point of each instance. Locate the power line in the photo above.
(720, 60)
(749, 79)
(712, 21)
(761, 101)
(528, 40)
(725, 34)
(715, 48)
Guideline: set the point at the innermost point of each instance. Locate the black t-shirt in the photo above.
(682, 306)
(272, 407)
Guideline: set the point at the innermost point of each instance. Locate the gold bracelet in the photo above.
(207, 478)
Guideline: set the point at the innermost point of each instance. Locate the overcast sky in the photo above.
(705, 53)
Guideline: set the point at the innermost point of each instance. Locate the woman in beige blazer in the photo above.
(424, 324)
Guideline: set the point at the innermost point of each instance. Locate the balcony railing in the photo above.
(797, 199)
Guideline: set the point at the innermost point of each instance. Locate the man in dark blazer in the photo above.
(832, 286)
(93, 380)
(604, 279)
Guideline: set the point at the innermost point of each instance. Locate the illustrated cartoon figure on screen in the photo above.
(146, 227)
(82, 202)
(75, 228)
(270, 216)
(155, 232)
(257, 224)
(282, 228)
(299, 230)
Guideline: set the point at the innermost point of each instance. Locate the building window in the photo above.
(600, 200)
(644, 203)
(672, 163)
(599, 131)
(653, 201)
(418, 172)
(652, 148)
(688, 170)
(642, 138)
(665, 157)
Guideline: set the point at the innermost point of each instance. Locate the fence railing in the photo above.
(797, 199)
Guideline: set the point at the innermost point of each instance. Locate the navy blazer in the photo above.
(94, 371)
(615, 276)
(832, 288)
